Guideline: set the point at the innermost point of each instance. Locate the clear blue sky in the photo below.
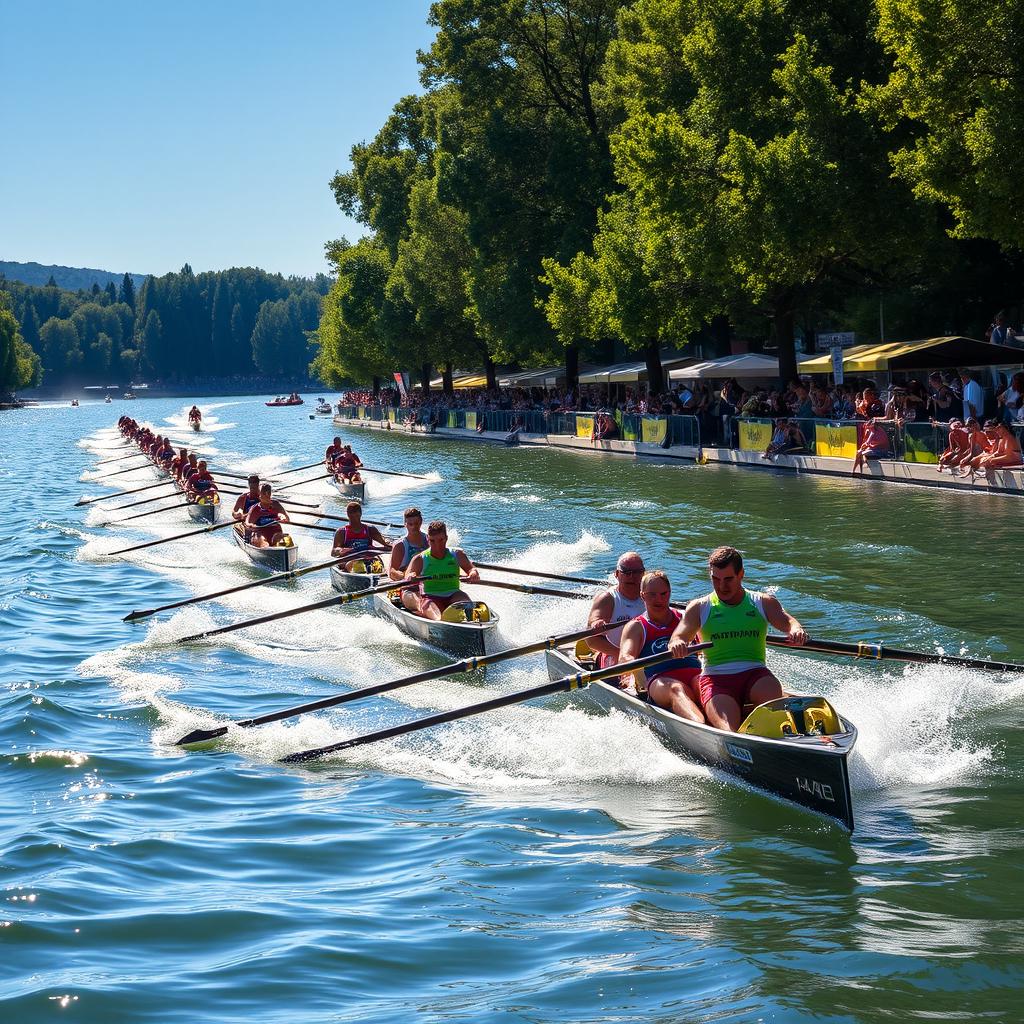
(140, 136)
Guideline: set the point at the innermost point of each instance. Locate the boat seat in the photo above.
(792, 716)
(583, 650)
(454, 613)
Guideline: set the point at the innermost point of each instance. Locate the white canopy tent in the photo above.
(631, 373)
(748, 364)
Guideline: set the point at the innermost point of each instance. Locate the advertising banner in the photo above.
(755, 435)
(652, 429)
(584, 425)
(403, 384)
(471, 419)
(835, 440)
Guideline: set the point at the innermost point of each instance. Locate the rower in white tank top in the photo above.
(618, 604)
(623, 609)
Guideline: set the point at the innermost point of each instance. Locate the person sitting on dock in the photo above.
(403, 552)
(672, 684)
(353, 540)
(618, 604)
(1003, 451)
(445, 569)
(245, 501)
(346, 466)
(263, 520)
(735, 621)
(958, 447)
(875, 445)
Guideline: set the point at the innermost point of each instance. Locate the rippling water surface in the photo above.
(540, 864)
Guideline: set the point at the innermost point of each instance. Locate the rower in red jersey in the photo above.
(263, 520)
(244, 502)
(354, 539)
(189, 468)
(346, 466)
(201, 484)
(334, 449)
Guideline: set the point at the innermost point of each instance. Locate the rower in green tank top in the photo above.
(735, 621)
(447, 570)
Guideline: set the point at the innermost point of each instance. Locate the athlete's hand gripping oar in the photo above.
(291, 574)
(167, 540)
(573, 682)
(466, 665)
(315, 606)
(121, 494)
(878, 653)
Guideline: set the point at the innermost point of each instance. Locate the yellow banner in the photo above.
(584, 425)
(754, 436)
(652, 430)
(471, 420)
(453, 418)
(835, 440)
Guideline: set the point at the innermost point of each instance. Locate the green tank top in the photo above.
(445, 571)
(739, 633)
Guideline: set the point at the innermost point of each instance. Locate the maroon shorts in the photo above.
(736, 685)
(441, 602)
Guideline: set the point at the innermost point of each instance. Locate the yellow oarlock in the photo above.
(792, 716)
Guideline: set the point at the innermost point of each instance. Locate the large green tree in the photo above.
(19, 365)
(955, 98)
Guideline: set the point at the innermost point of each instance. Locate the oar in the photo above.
(879, 653)
(120, 458)
(574, 682)
(297, 469)
(315, 606)
(121, 494)
(120, 472)
(144, 501)
(151, 512)
(393, 472)
(369, 522)
(466, 665)
(167, 540)
(284, 501)
(543, 575)
(529, 588)
(291, 574)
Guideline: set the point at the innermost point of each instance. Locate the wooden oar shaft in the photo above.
(315, 606)
(392, 472)
(573, 682)
(146, 501)
(152, 512)
(876, 652)
(122, 494)
(291, 574)
(297, 469)
(544, 575)
(466, 665)
(167, 540)
(369, 522)
(120, 472)
(120, 458)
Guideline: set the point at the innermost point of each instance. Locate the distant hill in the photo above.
(70, 278)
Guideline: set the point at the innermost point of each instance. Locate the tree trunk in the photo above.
(572, 367)
(446, 379)
(784, 324)
(425, 379)
(376, 387)
(491, 370)
(655, 372)
(718, 328)
(606, 351)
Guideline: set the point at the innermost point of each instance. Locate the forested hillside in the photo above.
(176, 328)
(71, 279)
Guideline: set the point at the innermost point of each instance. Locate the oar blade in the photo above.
(201, 736)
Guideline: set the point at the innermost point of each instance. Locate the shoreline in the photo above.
(1008, 481)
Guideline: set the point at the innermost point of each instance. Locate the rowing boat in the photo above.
(276, 559)
(349, 582)
(196, 425)
(463, 639)
(349, 490)
(805, 768)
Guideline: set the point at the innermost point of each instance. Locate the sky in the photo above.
(141, 136)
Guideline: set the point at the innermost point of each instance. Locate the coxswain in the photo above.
(671, 684)
(201, 483)
(444, 570)
(334, 449)
(735, 621)
(403, 552)
(244, 502)
(346, 466)
(263, 520)
(619, 604)
(353, 540)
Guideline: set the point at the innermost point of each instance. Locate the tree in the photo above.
(127, 293)
(748, 150)
(955, 97)
(19, 365)
(61, 353)
(153, 349)
(110, 293)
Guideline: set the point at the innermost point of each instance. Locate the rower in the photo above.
(619, 604)
(352, 541)
(178, 461)
(671, 684)
(442, 567)
(201, 483)
(735, 621)
(346, 466)
(165, 453)
(194, 415)
(414, 541)
(189, 468)
(263, 520)
(244, 502)
(334, 449)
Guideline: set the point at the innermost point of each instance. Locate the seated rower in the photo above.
(165, 454)
(263, 520)
(443, 567)
(403, 552)
(672, 684)
(619, 604)
(201, 483)
(346, 466)
(244, 502)
(194, 415)
(177, 462)
(353, 540)
(334, 449)
(188, 469)
(735, 621)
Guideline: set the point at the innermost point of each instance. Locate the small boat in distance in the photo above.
(292, 399)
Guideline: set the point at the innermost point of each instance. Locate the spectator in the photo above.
(974, 397)
(999, 331)
(801, 401)
(842, 403)
(875, 445)
(605, 427)
(942, 402)
(821, 403)
(1011, 400)
(896, 407)
(916, 407)
(787, 439)
(868, 406)
(1004, 448)
(958, 447)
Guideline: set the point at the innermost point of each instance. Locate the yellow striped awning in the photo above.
(949, 351)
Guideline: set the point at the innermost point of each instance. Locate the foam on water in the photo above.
(211, 424)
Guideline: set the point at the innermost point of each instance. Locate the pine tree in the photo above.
(127, 294)
(111, 293)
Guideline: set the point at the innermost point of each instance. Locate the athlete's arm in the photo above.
(282, 512)
(778, 617)
(629, 649)
(689, 626)
(395, 571)
(415, 567)
(600, 612)
(376, 535)
(469, 570)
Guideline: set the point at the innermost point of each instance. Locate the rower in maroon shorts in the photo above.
(736, 622)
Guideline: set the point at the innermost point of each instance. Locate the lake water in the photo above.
(541, 864)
